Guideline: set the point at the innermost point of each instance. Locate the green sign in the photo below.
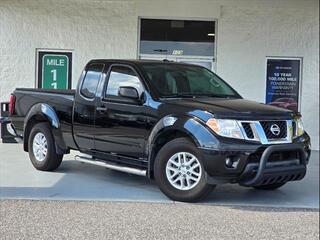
(55, 71)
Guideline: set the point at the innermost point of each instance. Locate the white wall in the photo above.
(248, 31)
(93, 29)
(248, 34)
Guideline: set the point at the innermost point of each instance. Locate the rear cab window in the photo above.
(91, 80)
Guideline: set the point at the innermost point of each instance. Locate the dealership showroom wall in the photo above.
(246, 33)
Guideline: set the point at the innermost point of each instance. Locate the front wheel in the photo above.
(179, 171)
(41, 148)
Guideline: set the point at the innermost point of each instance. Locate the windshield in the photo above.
(178, 80)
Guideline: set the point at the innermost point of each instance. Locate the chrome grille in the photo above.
(260, 131)
(248, 130)
(267, 126)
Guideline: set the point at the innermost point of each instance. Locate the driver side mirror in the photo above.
(129, 92)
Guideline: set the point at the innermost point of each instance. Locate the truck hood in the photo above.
(231, 108)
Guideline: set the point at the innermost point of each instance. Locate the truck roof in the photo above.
(136, 61)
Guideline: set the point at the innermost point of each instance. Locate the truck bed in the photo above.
(60, 100)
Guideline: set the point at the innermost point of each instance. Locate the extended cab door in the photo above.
(85, 106)
(121, 122)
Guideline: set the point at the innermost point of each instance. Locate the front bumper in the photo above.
(257, 164)
(266, 173)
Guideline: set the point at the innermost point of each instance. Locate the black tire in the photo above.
(270, 186)
(199, 191)
(52, 160)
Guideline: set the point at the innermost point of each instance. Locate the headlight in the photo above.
(225, 127)
(299, 127)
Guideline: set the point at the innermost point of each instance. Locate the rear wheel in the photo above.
(179, 171)
(270, 186)
(41, 148)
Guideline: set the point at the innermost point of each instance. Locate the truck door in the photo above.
(84, 106)
(120, 122)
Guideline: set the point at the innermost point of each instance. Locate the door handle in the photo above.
(101, 109)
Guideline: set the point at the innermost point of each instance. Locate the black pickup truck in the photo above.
(180, 124)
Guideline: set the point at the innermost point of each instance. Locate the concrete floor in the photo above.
(30, 219)
(80, 181)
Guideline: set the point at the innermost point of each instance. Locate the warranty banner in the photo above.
(282, 80)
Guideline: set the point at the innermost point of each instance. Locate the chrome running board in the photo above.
(101, 163)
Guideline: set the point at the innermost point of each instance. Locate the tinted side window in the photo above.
(122, 77)
(91, 80)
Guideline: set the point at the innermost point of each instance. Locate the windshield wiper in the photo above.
(179, 95)
(217, 95)
(197, 95)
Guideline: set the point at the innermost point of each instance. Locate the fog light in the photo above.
(232, 161)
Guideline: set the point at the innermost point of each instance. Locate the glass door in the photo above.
(207, 63)
(186, 41)
(201, 61)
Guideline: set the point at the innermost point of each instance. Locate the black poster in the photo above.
(282, 80)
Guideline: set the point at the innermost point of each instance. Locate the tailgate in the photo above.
(7, 133)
